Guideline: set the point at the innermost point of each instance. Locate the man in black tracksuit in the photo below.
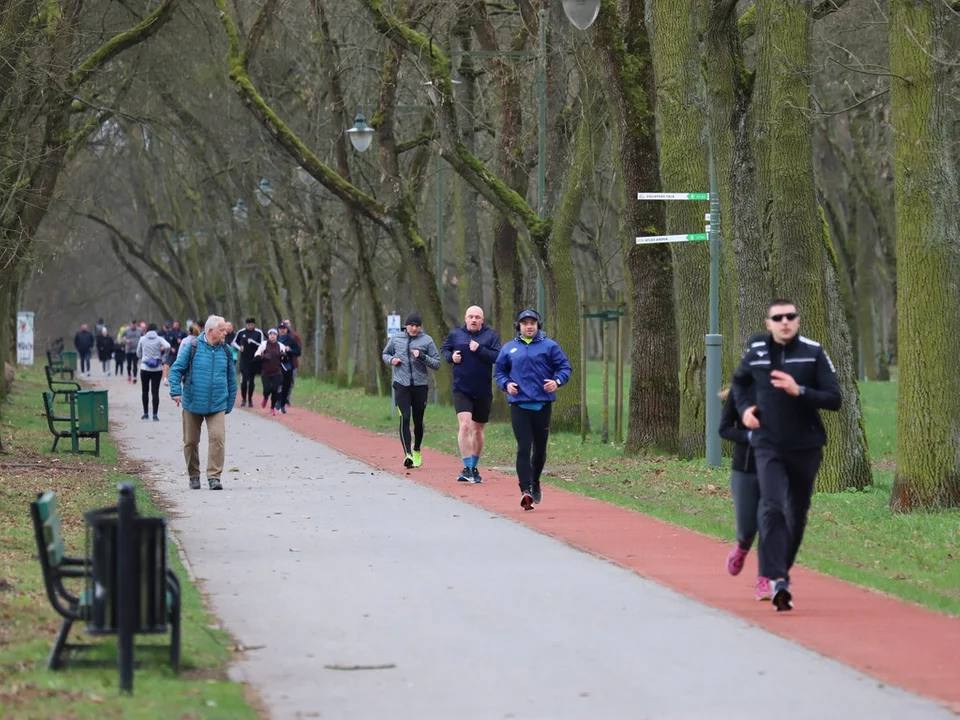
(793, 379)
(247, 342)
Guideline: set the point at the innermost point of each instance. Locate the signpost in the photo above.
(713, 340)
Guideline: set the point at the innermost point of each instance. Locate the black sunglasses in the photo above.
(782, 316)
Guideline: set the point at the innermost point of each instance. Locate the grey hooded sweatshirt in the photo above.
(150, 352)
(401, 346)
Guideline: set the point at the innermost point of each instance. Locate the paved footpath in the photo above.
(454, 605)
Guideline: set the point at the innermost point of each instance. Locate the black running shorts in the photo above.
(478, 407)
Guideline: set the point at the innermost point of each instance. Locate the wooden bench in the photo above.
(65, 426)
(157, 587)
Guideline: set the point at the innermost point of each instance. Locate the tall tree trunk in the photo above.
(629, 84)
(928, 257)
(802, 265)
(681, 125)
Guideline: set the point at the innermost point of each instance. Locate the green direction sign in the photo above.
(673, 196)
(650, 239)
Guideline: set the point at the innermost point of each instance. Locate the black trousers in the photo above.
(119, 360)
(132, 365)
(531, 428)
(285, 387)
(150, 382)
(410, 399)
(84, 361)
(247, 377)
(786, 487)
(271, 389)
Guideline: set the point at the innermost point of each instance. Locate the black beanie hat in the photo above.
(414, 319)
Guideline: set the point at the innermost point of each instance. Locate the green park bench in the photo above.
(62, 363)
(60, 388)
(149, 590)
(71, 426)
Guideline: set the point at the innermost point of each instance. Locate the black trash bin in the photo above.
(149, 572)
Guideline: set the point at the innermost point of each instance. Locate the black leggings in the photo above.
(531, 428)
(285, 388)
(119, 360)
(150, 381)
(247, 378)
(411, 398)
(132, 365)
(272, 385)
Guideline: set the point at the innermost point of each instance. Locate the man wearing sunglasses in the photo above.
(793, 379)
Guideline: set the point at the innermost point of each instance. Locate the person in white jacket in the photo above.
(150, 350)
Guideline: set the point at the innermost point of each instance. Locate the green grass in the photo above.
(851, 535)
(87, 687)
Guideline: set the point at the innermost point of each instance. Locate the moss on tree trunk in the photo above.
(928, 261)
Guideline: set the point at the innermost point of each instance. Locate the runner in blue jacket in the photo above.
(529, 369)
(472, 350)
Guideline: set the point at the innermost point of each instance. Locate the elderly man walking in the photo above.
(472, 350)
(204, 381)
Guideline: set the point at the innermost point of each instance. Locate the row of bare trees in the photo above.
(825, 120)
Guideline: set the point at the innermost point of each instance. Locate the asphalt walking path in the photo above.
(363, 593)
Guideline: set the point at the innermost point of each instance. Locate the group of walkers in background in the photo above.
(145, 354)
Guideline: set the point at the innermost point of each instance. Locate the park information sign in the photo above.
(694, 237)
(25, 338)
(673, 196)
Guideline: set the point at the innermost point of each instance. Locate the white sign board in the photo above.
(25, 338)
(393, 325)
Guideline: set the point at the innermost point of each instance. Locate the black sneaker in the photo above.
(214, 483)
(195, 483)
(476, 476)
(526, 502)
(466, 475)
(537, 494)
(782, 599)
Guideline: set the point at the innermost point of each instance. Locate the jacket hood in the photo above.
(151, 335)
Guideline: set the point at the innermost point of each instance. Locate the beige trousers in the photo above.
(216, 437)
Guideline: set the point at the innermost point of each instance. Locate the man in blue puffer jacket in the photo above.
(204, 381)
(529, 369)
(472, 350)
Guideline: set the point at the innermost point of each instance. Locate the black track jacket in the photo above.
(787, 422)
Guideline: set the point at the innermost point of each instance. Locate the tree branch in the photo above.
(286, 138)
(256, 32)
(122, 41)
(827, 7)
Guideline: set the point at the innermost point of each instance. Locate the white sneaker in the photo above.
(166, 382)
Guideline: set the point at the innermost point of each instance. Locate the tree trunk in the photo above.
(928, 257)
(802, 265)
(683, 168)
(629, 84)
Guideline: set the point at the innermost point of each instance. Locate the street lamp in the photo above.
(581, 13)
(361, 134)
(264, 193)
(432, 89)
(240, 213)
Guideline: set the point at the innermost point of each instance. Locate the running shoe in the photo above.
(263, 403)
(782, 599)
(526, 502)
(476, 476)
(537, 494)
(156, 418)
(214, 483)
(735, 560)
(408, 460)
(194, 483)
(417, 458)
(273, 412)
(144, 417)
(466, 475)
(763, 588)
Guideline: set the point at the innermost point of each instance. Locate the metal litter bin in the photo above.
(92, 414)
(69, 359)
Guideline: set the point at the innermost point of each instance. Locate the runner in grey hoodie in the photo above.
(411, 353)
(150, 350)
